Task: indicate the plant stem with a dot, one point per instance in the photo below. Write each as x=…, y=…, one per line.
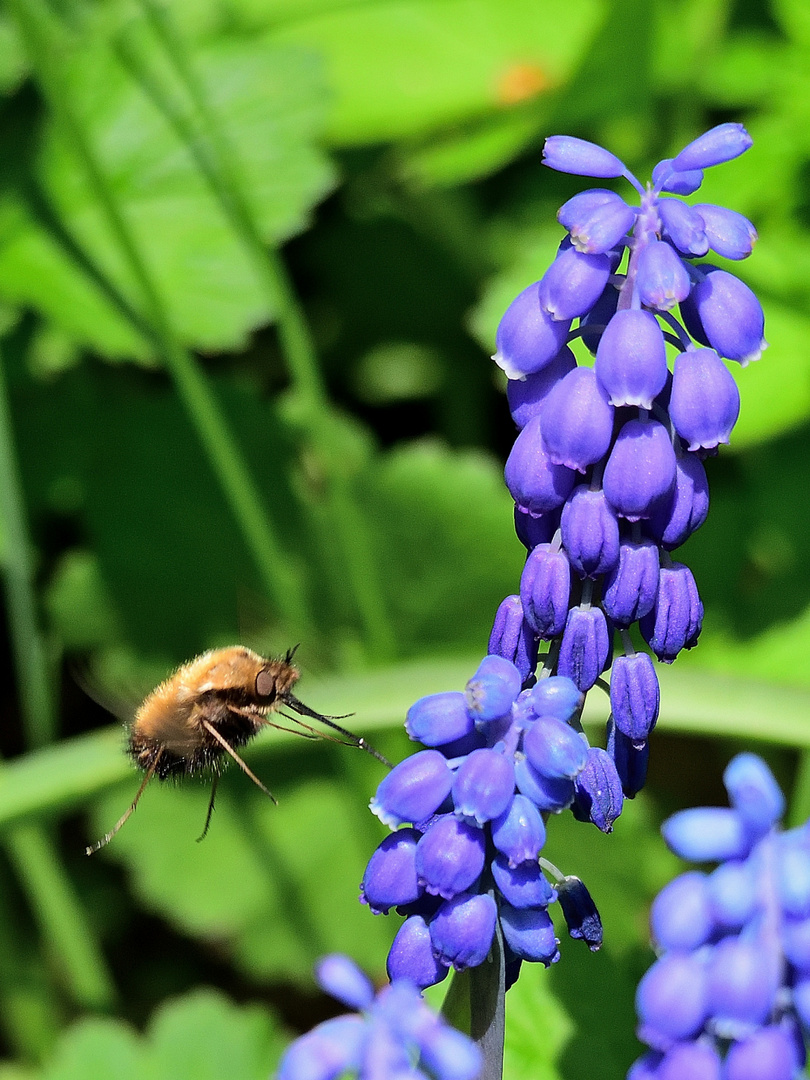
x=277, y=570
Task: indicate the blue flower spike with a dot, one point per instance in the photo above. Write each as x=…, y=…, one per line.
x=727, y=997
x=388, y=1036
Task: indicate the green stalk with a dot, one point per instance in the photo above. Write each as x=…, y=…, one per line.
x=276, y=569
x=34, y=856
x=214, y=158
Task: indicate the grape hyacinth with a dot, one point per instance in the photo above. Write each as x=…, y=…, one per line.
x=607, y=469
x=729, y=993
x=390, y=1034
x=462, y=862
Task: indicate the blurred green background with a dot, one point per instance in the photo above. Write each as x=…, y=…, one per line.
x=252, y=258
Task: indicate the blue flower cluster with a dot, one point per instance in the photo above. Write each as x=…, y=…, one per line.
x=607, y=469
x=392, y=1034
x=730, y=991
x=467, y=814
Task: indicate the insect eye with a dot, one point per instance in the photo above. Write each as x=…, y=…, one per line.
x=265, y=684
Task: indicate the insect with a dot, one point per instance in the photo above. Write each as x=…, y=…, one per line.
x=210, y=706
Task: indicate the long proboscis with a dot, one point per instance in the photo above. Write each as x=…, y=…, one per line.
x=293, y=703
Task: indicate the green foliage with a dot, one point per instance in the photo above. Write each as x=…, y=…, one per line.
x=293, y=226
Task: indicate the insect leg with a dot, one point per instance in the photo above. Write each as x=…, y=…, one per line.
x=226, y=746
x=210, y=808
x=125, y=817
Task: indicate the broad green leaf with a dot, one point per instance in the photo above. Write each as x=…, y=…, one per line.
x=537, y=1027
x=271, y=101
x=401, y=68
x=97, y=1047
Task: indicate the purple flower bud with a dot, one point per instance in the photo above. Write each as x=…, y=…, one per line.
x=737, y=988
x=665, y=178
x=554, y=749
x=523, y=885
x=792, y=876
x=631, y=360
x=713, y=147
x=630, y=761
x=448, y=1054
x=526, y=396
x=731, y=891
x=535, y=483
x=631, y=587
x=595, y=228
x=599, y=797
x=557, y=696
x=534, y=529
x=729, y=233
x=577, y=421
x=572, y=284
x=683, y=226
x=681, y=917
x=675, y=519
x=492, y=690
x=598, y=317
x=519, y=832
x=462, y=930
x=662, y=279
x=529, y=933
x=545, y=793
x=689, y=1061
x=545, y=586
x=343, y=980
x=390, y=878
x=590, y=532
x=331, y=1049
x=707, y=834
x=722, y=312
x=671, y=1000
x=580, y=206
x=449, y=857
x=527, y=338
x=640, y=469
x=411, y=955
x=677, y=617
x=705, y=402
x=768, y=1052
x=413, y=790
x=634, y=696
x=585, y=646
x=754, y=793
x=439, y=718
x=484, y=785
x=513, y=638
x=580, y=912
x=570, y=155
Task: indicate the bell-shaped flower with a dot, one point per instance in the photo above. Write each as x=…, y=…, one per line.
x=334, y=1048
x=596, y=223
x=630, y=760
x=545, y=586
x=577, y=421
x=554, y=749
x=707, y=834
x=390, y=879
x=527, y=337
x=547, y=794
x=523, y=885
x=731, y=891
x=738, y=993
x=665, y=178
x=683, y=226
x=723, y=313
x=579, y=910
x=462, y=930
x=439, y=718
x=413, y=790
x=585, y=646
x=484, y=786
x=513, y=638
x=526, y=396
x=662, y=280
x=705, y=402
x=411, y=955
x=769, y=1052
x=493, y=688
x=519, y=833
x=677, y=617
x=557, y=696
x=640, y=469
x=686, y=1061
x=572, y=284
x=599, y=797
x=671, y=1000
x=534, y=529
x=631, y=587
x=631, y=360
x=673, y=520
x=721, y=143
x=590, y=532
x=449, y=857
x=754, y=793
x=534, y=481
x=529, y=933
x=567, y=154
x=592, y=325
x=729, y=234
x=634, y=696
x=792, y=875
x=344, y=981
x=681, y=916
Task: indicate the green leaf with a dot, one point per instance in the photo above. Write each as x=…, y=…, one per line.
x=272, y=103
x=401, y=68
x=96, y=1047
